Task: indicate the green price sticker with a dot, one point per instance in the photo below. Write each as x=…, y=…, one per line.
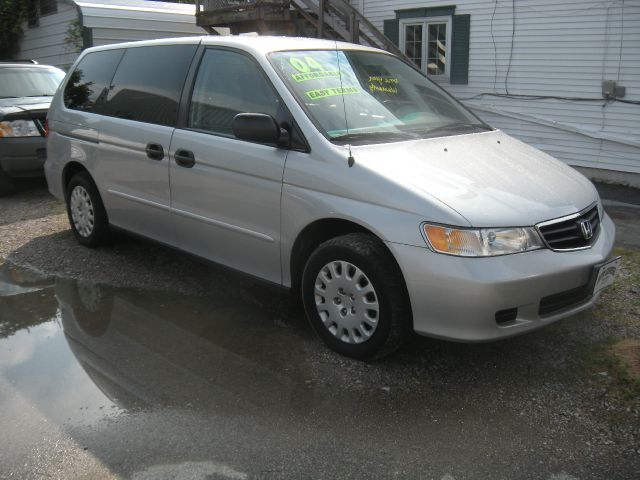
x=331, y=92
x=303, y=77
x=306, y=64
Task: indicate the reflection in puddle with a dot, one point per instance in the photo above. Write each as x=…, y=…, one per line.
x=92, y=348
x=145, y=349
x=25, y=300
x=14, y=281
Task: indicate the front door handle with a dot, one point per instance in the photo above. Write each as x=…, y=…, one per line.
x=185, y=158
x=154, y=151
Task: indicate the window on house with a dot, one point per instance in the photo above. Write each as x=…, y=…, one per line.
x=40, y=8
x=48, y=7
x=437, y=48
x=33, y=15
x=427, y=42
x=413, y=43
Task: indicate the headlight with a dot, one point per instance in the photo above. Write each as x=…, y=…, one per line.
x=483, y=242
x=19, y=128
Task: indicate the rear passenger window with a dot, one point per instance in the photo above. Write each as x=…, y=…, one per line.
x=148, y=84
x=228, y=83
x=88, y=84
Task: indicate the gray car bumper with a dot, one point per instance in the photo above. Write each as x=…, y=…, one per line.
x=457, y=298
x=23, y=157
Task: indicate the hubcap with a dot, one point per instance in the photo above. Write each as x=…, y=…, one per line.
x=346, y=302
x=82, y=213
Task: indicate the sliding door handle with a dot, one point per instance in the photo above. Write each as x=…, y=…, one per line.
x=185, y=158
x=154, y=151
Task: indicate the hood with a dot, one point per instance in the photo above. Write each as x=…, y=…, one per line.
x=490, y=178
x=10, y=106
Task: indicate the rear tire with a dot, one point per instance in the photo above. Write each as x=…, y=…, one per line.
x=355, y=297
x=6, y=185
x=87, y=216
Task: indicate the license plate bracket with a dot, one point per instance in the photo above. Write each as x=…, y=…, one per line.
x=604, y=274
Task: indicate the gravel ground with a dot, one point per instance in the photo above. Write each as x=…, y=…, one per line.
x=27, y=215
x=34, y=233
x=570, y=390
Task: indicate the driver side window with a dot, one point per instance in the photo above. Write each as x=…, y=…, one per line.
x=228, y=83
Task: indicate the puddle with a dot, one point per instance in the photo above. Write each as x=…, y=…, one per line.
x=78, y=347
x=102, y=349
x=144, y=384
x=81, y=352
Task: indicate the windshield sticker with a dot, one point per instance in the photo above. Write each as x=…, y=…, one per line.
x=310, y=69
x=303, y=77
x=331, y=92
x=383, y=84
x=305, y=64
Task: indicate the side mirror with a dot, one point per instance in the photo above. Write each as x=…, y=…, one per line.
x=258, y=127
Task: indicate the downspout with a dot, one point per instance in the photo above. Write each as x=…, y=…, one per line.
x=87, y=33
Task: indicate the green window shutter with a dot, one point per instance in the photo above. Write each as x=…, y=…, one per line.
x=392, y=30
x=459, y=73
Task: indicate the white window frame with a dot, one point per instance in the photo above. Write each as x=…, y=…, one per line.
x=425, y=22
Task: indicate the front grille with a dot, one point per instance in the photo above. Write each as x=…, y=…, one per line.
x=559, y=302
x=567, y=234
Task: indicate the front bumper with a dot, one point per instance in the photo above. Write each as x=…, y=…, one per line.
x=457, y=298
x=23, y=157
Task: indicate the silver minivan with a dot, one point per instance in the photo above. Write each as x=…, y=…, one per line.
x=333, y=169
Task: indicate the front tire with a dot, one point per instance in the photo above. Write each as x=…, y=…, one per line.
x=355, y=297
x=87, y=216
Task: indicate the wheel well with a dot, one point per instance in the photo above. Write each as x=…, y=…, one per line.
x=69, y=171
x=311, y=237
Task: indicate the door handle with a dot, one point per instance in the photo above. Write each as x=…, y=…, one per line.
x=154, y=151
x=185, y=158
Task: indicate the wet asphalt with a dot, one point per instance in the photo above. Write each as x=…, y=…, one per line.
x=104, y=382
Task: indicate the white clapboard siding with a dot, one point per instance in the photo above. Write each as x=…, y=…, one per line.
x=560, y=48
x=110, y=21
x=114, y=21
x=47, y=43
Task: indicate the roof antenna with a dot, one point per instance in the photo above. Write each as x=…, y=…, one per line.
x=350, y=159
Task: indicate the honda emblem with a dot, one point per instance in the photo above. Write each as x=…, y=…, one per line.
x=586, y=228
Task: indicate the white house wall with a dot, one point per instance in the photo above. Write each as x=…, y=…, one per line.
x=117, y=24
x=563, y=49
x=46, y=43
x=110, y=21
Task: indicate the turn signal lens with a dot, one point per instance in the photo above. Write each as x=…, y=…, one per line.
x=437, y=237
x=484, y=242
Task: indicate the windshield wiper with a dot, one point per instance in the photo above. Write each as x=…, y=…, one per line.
x=380, y=136
x=456, y=127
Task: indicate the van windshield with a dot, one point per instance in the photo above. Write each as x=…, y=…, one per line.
x=366, y=97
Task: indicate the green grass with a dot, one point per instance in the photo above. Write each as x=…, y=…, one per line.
x=620, y=304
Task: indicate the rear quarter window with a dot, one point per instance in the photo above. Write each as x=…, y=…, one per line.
x=148, y=84
x=88, y=84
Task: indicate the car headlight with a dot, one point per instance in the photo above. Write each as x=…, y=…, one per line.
x=482, y=242
x=19, y=128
